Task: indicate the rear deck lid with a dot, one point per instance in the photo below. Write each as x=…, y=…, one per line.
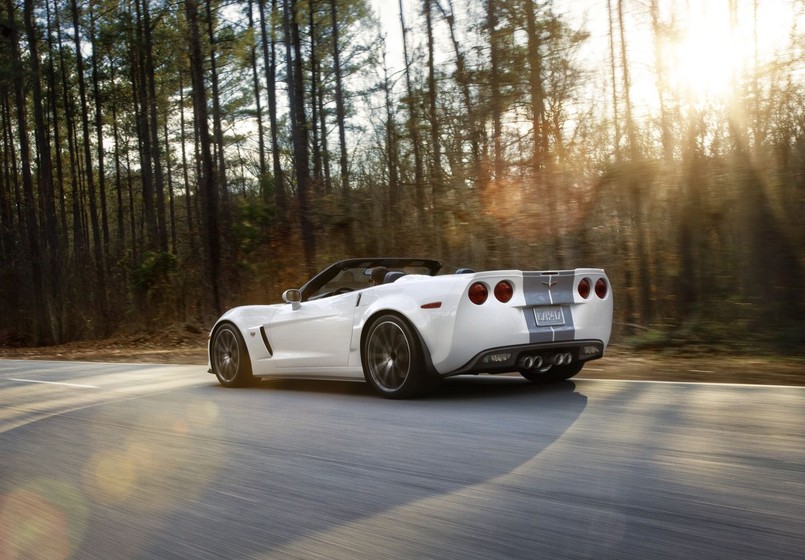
x=548, y=288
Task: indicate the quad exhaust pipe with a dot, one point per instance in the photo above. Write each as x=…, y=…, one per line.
x=531, y=362
x=538, y=362
x=563, y=358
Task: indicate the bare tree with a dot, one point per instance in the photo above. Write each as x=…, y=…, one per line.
x=269, y=60
x=299, y=128
x=100, y=268
x=413, y=128
x=208, y=187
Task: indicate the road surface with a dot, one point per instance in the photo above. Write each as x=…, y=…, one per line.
x=146, y=461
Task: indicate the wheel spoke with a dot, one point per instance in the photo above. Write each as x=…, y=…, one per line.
x=386, y=371
x=389, y=356
x=227, y=355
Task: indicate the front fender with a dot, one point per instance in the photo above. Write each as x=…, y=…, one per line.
x=247, y=316
x=248, y=319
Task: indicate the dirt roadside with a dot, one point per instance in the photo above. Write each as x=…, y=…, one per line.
x=188, y=346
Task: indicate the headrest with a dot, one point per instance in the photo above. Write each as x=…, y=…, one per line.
x=392, y=276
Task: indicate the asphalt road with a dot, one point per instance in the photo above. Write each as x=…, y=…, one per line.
x=116, y=461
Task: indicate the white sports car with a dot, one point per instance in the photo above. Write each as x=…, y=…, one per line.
x=397, y=324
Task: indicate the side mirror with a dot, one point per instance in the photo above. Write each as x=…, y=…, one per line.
x=294, y=297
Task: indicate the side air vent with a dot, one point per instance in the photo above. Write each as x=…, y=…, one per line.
x=265, y=341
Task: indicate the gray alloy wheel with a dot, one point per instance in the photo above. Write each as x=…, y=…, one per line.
x=556, y=373
x=392, y=359
x=229, y=357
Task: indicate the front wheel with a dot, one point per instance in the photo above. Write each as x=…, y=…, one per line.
x=392, y=359
x=556, y=373
x=229, y=357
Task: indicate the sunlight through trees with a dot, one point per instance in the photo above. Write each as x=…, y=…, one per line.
x=162, y=161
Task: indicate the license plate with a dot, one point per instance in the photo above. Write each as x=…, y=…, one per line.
x=549, y=316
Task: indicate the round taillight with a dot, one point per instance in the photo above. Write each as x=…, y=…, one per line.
x=601, y=288
x=585, y=287
x=504, y=291
x=478, y=293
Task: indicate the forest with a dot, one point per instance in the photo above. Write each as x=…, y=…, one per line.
x=164, y=160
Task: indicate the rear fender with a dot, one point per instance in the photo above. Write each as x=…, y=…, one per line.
x=433, y=325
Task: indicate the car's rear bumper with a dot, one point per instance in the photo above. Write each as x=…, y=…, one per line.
x=531, y=356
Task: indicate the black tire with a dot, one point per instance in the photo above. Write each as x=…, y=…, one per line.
x=392, y=359
x=556, y=373
x=229, y=358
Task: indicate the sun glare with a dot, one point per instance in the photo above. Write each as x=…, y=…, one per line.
x=715, y=49
x=706, y=60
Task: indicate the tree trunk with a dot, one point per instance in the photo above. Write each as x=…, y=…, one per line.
x=151, y=109
x=79, y=247
x=269, y=59
x=495, y=88
x=217, y=114
x=462, y=77
x=261, y=142
x=341, y=117
x=100, y=265
x=413, y=129
x=631, y=134
x=634, y=185
x=208, y=188
x=662, y=83
x=315, y=93
x=299, y=129
x=121, y=228
x=536, y=92
x=325, y=150
x=96, y=94
x=55, y=125
x=614, y=79
x=51, y=264
x=392, y=159
x=188, y=193
x=28, y=198
x=436, y=174
x=144, y=137
x=171, y=203
x=541, y=167
x=8, y=224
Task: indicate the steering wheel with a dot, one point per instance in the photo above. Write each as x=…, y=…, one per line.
x=343, y=290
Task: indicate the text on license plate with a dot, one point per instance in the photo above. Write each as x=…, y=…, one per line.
x=548, y=316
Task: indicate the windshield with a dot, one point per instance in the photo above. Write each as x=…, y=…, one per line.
x=347, y=280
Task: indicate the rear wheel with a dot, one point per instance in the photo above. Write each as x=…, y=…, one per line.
x=229, y=357
x=556, y=373
x=392, y=359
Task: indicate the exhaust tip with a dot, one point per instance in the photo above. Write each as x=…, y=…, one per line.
x=531, y=362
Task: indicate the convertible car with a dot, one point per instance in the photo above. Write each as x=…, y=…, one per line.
x=400, y=324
